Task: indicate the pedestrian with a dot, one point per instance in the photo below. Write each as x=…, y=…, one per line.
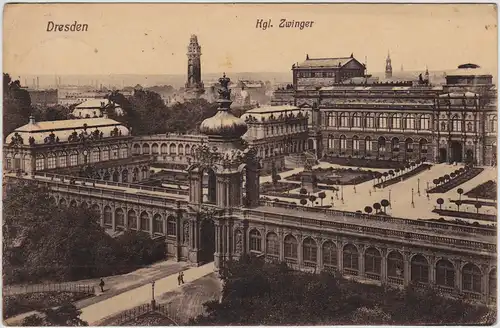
x=182, y=277
x=101, y=284
x=179, y=278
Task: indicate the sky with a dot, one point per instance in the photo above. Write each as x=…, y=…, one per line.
x=153, y=38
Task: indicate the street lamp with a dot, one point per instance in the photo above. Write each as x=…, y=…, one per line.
x=153, y=302
x=418, y=186
x=412, y=202
x=342, y=193
x=390, y=199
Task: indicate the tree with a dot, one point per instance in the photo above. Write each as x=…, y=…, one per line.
x=458, y=203
x=322, y=195
x=303, y=201
x=64, y=315
x=368, y=209
x=460, y=191
x=377, y=207
x=435, y=181
x=303, y=191
x=312, y=199
x=477, y=206
x=384, y=203
x=16, y=105
x=440, y=202
x=446, y=177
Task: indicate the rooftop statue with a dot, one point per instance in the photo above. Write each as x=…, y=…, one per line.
x=225, y=93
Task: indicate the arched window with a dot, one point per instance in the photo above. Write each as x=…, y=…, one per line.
x=381, y=144
x=255, y=241
x=144, y=221
x=331, y=119
x=119, y=218
x=154, y=149
x=443, y=126
x=419, y=269
x=395, y=144
x=343, y=143
x=471, y=278
x=95, y=208
x=470, y=127
x=96, y=155
x=382, y=121
x=344, y=120
x=424, y=122
x=62, y=159
x=493, y=124
x=171, y=226
x=409, y=122
x=72, y=203
x=350, y=259
x=51, y=161
x=291, y=247
x=368, y=144
x=445, y=273
x=108, y=217
x=83, y=205
x=395, y=267
x=163, y=148
x=396, y=121
x=145, y=148
x=272, y=244
x=187, y=150
x=310, y=250
x=329, y=252
x=114, y=152
x=492, y=282
x=62, y=202
x=369, y=121
x=157, y=224
x=137, y=149
x=172, y=149
x=40, y=162
x=456, y=123
x=180, y=149
x=132, y=220
x=331, y=142
x=373, y=261
x=409, y=144
x=356, y=120
x=355, y=143
x=423, y=145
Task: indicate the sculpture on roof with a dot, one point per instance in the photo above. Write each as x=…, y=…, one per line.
x=16, y=140
x=224, y=93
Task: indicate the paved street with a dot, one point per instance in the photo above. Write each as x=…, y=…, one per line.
x=95, y=313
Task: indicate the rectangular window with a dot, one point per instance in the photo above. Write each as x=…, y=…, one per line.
x=96, y=156
x=123, y=153
x=51, y=162
x=62, y=161
x=114, y=153
x=105, y=155
x=73, y=159
x=40, y=164
x=8, y=163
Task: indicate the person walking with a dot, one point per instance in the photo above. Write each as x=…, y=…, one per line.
x=181, y=277
x=101, y=284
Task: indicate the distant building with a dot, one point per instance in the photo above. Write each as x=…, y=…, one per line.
x=388, y=66
x=43, y=97
x=320, y=72
x=76, y=95
x=194, y=85
x=96, y=108
x=470, y=75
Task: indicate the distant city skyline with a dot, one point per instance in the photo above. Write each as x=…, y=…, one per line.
x=119, y=41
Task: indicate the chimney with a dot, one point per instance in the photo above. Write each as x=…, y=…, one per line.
x=32, y=119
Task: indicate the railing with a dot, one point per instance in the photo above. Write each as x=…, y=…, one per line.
x=134, y=313
x=169, y=137
x=352, y=272
x=295, y=220
x=45, y=288
x=372, y=276
x=372, y=218
x=472, y=295
x=93, y=182
x=395, y=280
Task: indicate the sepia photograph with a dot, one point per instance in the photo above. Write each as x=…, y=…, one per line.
x=217, y=164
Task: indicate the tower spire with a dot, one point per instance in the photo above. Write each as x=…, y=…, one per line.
x=388, y=66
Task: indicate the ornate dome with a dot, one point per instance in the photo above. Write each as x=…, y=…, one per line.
x=224, y=124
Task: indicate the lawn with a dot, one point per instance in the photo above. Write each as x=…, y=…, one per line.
x=21, y=303
x=487, y=190
x=337, y=176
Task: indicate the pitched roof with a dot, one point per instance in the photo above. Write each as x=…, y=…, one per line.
x=325, y=62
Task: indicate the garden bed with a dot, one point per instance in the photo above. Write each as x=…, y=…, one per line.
x=464, y=223
x=364, y=162
x=338, y=176
x=404, y=176
x=487, y=190
x=449, y=182
x=474, y=202
x=278, y=187
x=21, y=303
x=466, y=215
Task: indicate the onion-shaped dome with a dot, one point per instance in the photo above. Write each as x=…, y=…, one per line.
x=224, y=124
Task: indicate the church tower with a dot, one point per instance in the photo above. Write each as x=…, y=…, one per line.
x=194, y=83
x=388, y=67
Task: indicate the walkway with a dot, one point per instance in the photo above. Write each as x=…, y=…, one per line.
x=97, y=312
